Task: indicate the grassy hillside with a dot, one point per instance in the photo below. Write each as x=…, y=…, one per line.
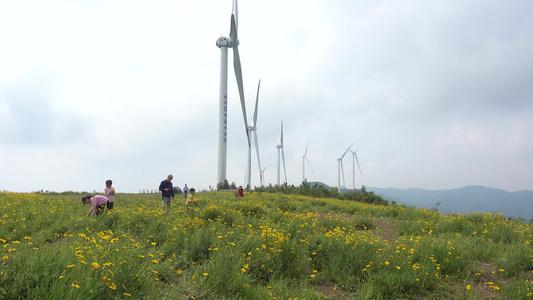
x=265, y=246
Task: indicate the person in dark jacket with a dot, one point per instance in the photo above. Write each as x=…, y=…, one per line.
x=167, y=192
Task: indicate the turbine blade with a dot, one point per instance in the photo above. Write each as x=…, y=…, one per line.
x=238, y=73
x=309, y=165
x=233, y=31
x=257, y=151
x=305, y=155
x=234, y=11
x=347, y=151
x=359, y=144
x=256, y=104
x=358, y=164
x=281, y=140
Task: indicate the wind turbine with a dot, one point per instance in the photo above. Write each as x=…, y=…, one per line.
x=253, y=128
x=354, y=159
x=224, y=43
x=280, y=150
x=341, y=167
x=263, y=175
x=304, y=159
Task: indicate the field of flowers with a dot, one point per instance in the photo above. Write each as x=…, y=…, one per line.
x=264, y=246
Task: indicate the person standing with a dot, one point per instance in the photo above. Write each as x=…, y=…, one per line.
x=167, y=192
x=97, y=202
x=185, y=190
x=109, y=192
x=240, y=192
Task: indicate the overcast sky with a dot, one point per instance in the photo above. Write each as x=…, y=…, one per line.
x=436, y=94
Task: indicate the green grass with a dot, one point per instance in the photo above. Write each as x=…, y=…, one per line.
x=265, y=246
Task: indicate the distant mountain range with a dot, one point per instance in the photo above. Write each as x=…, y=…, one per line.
x=467, y=199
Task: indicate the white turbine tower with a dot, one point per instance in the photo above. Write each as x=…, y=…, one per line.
x=354, y=159
x=280, y=150
x=253, y=128
x=224, y=43
x=341, y=167
x=304, y=159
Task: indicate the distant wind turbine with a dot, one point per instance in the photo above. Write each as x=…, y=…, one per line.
x=253, y=128
x=263, y=176
x=280, y=150
x=304, y=159
x=354, y=159
x=224, y=43
x=341, y=167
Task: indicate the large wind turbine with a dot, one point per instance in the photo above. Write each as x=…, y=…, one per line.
x=341, y=167
x=304, y=159
x=253, y=128
x=224, y=43
x=280, y=150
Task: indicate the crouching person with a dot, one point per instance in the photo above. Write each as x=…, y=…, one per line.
x=190, y=199
x=97, y=202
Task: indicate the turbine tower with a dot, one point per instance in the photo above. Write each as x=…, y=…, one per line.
x=280, y=150
x=341, y=167
x=304, y=159
x=224, y=43
x=253, y=128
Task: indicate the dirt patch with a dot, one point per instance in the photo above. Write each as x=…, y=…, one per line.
x=329, y=290
x=489, y=279
x=386, y=230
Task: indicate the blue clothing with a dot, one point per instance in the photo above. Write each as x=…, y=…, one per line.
x=166, y=185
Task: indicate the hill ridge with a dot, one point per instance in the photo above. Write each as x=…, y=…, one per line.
x=468, y=199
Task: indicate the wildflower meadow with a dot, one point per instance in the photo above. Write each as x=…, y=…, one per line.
x=263, y=246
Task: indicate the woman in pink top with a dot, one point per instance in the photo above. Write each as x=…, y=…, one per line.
x=109, y=192
x=97, y=202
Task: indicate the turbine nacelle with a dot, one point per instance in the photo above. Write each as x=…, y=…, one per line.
x=226, y=42
x=223, y=41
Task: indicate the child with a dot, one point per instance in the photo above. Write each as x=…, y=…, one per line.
x=190, y=200
x=97, y=202
x=240, y=191
x=109, y=192
x=185, y=190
